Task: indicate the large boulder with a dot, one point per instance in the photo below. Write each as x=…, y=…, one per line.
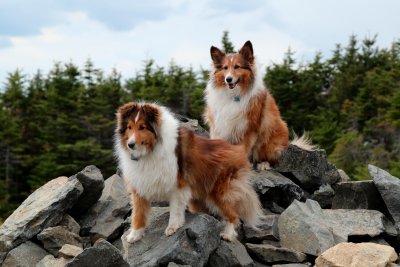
x=275, y=190
x=101, y=254
x=25, y=255
x=43, y=208
x=358, y=195
x=93, y=184
x=307, y=228
x=389, y=188
x=230, y=254
x=357, y=255
x=192, y=244
x=104, y=219
x=53, y=238
x=310, y=169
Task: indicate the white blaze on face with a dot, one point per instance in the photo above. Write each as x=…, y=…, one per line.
x=137, y=117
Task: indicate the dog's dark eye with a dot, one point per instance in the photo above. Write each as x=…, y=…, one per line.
x=129, y=127
x=225, y=67
x=141, y=127
x=237, y=67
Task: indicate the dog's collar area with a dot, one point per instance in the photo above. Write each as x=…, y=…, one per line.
x=236, y=98
x=134, y=158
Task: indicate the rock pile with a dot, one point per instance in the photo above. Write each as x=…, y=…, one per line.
x=313, y=215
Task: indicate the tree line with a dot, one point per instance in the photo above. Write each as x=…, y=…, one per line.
x=57, y=123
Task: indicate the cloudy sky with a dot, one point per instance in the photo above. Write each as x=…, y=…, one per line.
x=122, y=34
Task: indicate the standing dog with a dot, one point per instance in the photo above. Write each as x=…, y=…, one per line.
x=241, y=110
x=162, y=161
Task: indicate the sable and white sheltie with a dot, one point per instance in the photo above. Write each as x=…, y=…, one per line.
x=241, y=110
x=162, y=161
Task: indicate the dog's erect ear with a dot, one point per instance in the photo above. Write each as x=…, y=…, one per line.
x=152, y=116
x=247, y=52
x=124, y=112
x=216, y=55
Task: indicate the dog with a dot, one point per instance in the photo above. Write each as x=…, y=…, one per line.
x=240, y=110
x=161, y=161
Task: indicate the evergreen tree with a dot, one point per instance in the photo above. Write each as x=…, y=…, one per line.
x=227, y=45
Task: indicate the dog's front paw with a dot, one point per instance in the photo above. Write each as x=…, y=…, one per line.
x=135, y=235
x=262, y=166
x=171, y=229
x=228, y=236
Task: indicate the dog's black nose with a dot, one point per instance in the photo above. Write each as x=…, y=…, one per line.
x=229, y=79
x=131, y=145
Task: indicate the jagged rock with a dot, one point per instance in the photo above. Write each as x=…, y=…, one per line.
x=191, y=244
x=232, y=254
x=192, y=125
x=93, y=184
x=104, y=219
x=69, y=251
x=50, y=261
x=43, y=208
x=389, y=188
x=324, y=195
x=275, y=190
x=307, y=228
x=357, y=255
x=70, y=224
x=53, y=238
x=310, y=169
x=101, y=254
x=25, y=255
x=357, y=195
x=173, y=264
x=343, y=176
x=270, y=254
x=268, y=230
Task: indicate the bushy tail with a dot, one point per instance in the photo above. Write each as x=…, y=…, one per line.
x=247, y=202
x=303, y=142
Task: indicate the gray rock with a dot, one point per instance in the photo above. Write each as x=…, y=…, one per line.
x=104, y=219
x=43, y=208
x=93, y=184
x=101, y=254
x=268, y=230
x=307, y=228
x=324, y=195
x=275, y=190
x=50, y=261
x=70, y=224
x=310, y=169
x=270, y=254
x=389, y=188
x=27, y=254
x=173, y=264
x=292, y=265
x=69, y=251
x=192, y=125
x=230, y=254
x=343, y=176
x=53, y=238
x=192, y=244
x=358, y=195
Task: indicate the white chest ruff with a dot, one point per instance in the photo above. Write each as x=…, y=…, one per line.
x=230, y=118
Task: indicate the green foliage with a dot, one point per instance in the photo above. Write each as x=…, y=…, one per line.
x=58, y=123
x=227, y=45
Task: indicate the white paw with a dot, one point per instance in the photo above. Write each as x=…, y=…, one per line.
x=229, y=236
x=171, y=229
x=262, y=166
x=135, y=235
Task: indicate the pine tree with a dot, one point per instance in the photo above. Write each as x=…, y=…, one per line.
x=227, y=45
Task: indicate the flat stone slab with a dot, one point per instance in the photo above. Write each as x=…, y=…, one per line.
x=25, y=255
x=270, y=254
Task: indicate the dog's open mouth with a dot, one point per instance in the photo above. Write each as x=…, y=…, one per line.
x=233, y=85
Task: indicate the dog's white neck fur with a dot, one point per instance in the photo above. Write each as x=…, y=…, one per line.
x=154, y=175
x=230, y=117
